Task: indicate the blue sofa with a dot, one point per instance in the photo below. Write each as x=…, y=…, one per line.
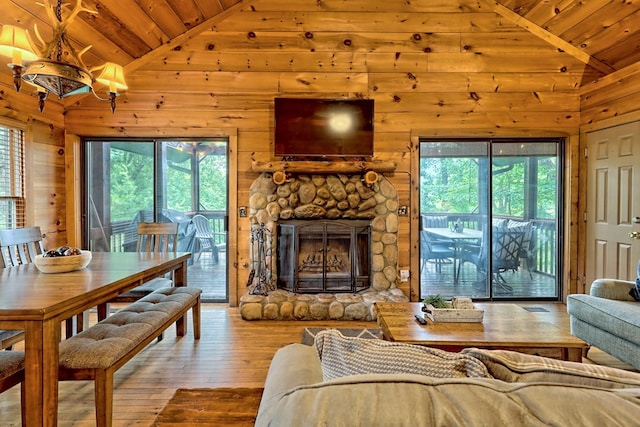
x=608, y=318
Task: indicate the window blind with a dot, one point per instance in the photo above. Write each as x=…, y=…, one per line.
x=12, y=197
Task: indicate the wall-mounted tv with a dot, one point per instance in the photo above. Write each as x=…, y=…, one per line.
x=322, y=128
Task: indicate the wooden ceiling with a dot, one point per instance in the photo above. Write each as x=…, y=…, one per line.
x=602, y=33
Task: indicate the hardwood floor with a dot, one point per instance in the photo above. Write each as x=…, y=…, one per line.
x=231, y=353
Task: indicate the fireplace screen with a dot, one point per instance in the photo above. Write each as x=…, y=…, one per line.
x=323, y=255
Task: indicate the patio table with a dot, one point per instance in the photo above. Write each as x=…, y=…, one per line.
x=457, y=238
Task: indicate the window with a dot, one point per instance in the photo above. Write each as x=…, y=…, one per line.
x=12, y=197
x=142, y=180
x=491, y=218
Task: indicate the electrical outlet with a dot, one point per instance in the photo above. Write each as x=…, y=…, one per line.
x=403, y=210
x=404, y=275
x=243, y=212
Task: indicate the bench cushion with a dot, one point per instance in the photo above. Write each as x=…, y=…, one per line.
x=10, y=363
x=169, y=300
x=106, y=342
x=101, y=345
x=146, y=288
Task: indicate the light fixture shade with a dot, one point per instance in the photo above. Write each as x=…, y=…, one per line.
x=58, y=77
x=15, y=43
x=112, y=75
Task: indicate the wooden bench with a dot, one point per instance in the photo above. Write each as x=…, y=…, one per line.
x=12, y=373
x=99, y=351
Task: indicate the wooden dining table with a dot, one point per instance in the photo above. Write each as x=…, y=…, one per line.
x=37, y=302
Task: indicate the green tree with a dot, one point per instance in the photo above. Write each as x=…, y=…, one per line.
x=131, y=186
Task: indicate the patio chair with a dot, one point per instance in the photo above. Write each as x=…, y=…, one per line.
x=20, y=246
x=435, y=221
x=527, y=250
x=205, y=239
x=153, y=237
x=476, y=254
x=434, y=251
x=506, y=248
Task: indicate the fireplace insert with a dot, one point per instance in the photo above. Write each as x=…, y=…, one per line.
x=317, y=256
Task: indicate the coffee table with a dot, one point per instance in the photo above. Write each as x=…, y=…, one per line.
x=504, y=327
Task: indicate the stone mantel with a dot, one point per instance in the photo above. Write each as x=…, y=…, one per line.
x=324, y=167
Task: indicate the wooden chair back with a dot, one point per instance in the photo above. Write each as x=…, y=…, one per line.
x=157, y=237
x=20, y=246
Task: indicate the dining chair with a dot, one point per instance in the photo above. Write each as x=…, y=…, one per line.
x=17, y=247
x=153, y=237
x=205, y=239
x=20, y=246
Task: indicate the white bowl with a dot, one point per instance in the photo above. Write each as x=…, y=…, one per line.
x=62, y=264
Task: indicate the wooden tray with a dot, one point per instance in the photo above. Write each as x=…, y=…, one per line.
x=453, y=314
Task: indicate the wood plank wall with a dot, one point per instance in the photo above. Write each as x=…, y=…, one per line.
x=434, y=68
x=44, y=160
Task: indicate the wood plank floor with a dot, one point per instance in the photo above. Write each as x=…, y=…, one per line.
x=231, y=353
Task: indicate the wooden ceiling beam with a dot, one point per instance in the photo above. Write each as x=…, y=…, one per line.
x=554, y=40
x=156, y=53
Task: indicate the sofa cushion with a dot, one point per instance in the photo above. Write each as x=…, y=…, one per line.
x=341, y=356
x=620, y=318
x=398, y=400
x=612, y=289
x=511, y=366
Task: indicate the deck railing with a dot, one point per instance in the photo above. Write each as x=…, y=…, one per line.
x=543, y=239
x=122, y=235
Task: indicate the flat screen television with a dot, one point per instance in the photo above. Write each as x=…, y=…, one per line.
x=323, y=128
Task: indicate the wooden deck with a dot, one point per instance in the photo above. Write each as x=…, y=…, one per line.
x=210, y=276
x=440, y=281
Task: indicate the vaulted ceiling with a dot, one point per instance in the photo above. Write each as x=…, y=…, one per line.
x=602, y=33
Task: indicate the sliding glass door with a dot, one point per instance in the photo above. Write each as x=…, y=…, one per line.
x=133, y=181
x=490, y=218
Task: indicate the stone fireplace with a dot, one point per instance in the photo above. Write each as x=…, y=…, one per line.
x=317, y=201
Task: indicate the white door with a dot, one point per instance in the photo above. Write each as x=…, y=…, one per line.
x=613, y=202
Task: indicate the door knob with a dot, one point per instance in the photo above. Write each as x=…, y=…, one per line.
x=635, y=234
